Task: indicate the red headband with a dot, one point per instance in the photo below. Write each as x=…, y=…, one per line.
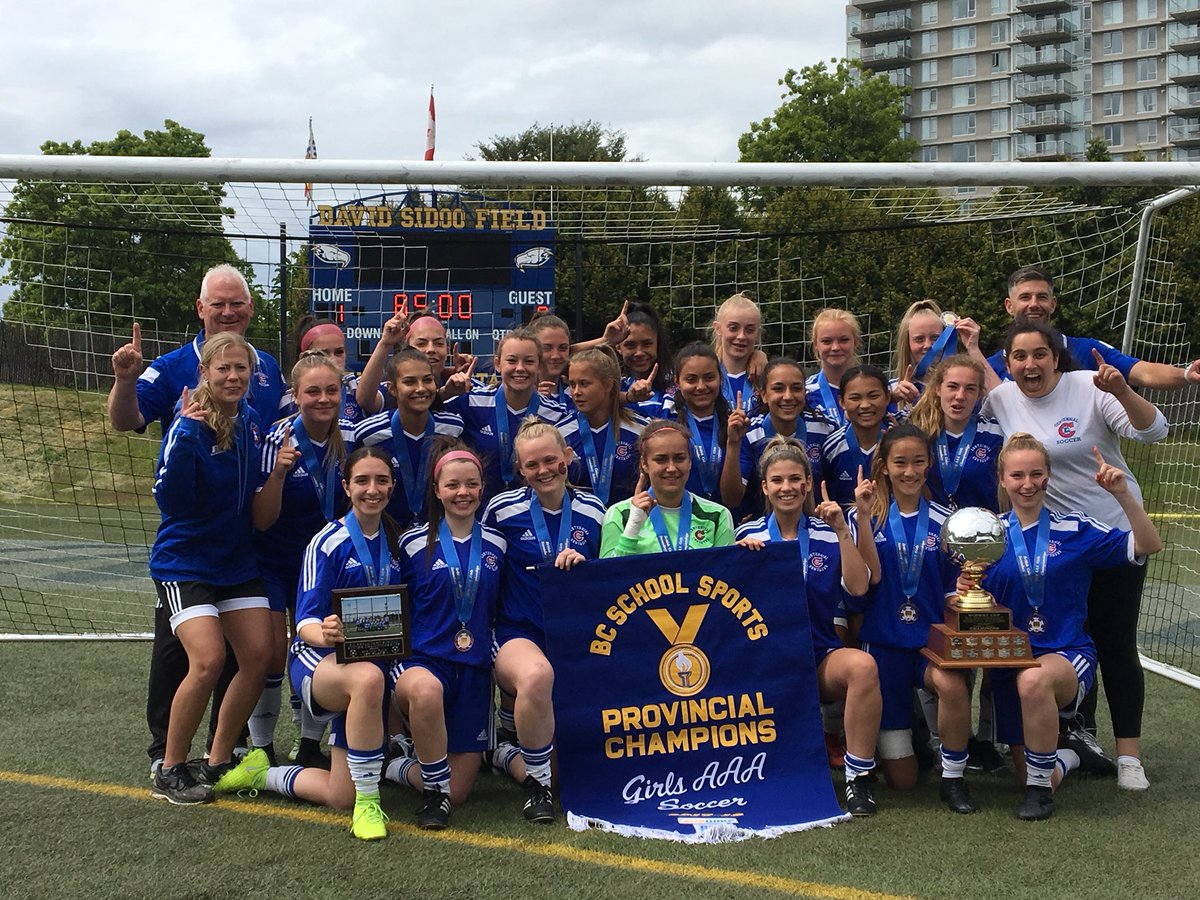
x=317, y=331
x=456, y=455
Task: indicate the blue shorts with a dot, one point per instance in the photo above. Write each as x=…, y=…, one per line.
x=899, y=672
x=466, y=701
x=1007, y=702
x=503, y=633
x=303, y=660
x=281, y=590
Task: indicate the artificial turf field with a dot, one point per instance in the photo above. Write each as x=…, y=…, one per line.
x=77, y=820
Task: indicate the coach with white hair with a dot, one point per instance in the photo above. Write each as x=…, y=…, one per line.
x=140, y=397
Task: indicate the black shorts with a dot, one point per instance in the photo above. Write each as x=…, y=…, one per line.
x=185, y=600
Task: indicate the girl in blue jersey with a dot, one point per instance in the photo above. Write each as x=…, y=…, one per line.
x=646, y=358
x=602, y=433
x=965, y=443
x=899, y=538
x=831, y=567
x=544, y=523
x=206, y=477
x=452, y=569
x=925, y=337
x=700, y=406
x=360, y=550
x=1045, y=548
x=786, y=415
x=492, y=415
x=735, y=331
x=313, y=333
x=555, y=337
x=836, y=342
x=300, y=494
x=864, y=396
x=407, y=431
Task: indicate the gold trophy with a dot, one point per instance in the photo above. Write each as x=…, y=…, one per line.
x=976, y=632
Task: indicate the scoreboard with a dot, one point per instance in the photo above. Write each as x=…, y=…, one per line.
x=481, y=267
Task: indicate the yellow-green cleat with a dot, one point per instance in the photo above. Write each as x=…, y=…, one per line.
x=369, y=822
x=248, y=775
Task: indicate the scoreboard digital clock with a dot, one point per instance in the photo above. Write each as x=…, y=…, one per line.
x=481, y=267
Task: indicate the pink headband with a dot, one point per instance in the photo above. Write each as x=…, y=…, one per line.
x=456, y=455
x=328, y=330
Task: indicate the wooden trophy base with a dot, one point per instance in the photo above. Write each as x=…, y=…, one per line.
x=978, y=639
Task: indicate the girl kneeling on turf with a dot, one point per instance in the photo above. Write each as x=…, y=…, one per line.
x=545, y=523
x=357, y=551
x=452, y=569
x=842, y=673
x=1045, y=548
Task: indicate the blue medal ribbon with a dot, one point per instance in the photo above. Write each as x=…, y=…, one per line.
x=951, y=468
x=939, y=349
x=377, y=569
x=503, y=433
x=551, y=550
x=909, y=559
x=325, y=490
x=708, y=463
x=856, y=453
x=465, y=583
x=801, y=537
x=659, y=521
x=414, y=482
x=599, y=472
x=833, y=409
x=1033, y=571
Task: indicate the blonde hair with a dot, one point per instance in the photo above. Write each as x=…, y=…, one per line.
x=785, y=449
x=902, y=356
x=214, y=417
x=927, y=413
x=309, y=361
x=738, y=302
x=606, y=366
x=1017, y=441
x=831, y=316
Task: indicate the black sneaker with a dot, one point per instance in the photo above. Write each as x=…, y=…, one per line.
x=211, y=774
x=1092, y=760
x=434, y=814
x=176, y=785
x=1037, y=804
x=984, y=757
x=955, y=795
x=860, y=801
x=539, y=807
x=310, y=755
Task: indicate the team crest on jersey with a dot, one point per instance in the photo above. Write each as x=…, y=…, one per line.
x=1054, y=548
x=492, y=561
x=349, y=411
x=579, y=535
x=699, y=535
x=814, y=453
x=931, y=541
x=818, y=562
x=981, y=453
x=1067, y=429
x=623, y=451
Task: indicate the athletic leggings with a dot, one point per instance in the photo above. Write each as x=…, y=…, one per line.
x=1114, y=602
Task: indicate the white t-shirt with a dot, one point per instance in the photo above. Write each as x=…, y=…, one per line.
x=1070, y=420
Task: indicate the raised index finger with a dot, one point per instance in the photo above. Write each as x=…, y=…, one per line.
x=860, y=477
x=737, y=401
x=825, y=491
x=1096, y=356
x=908, y=374
x=137, y=337
x=624, y=309
x=471, y=367
x=1096, y=453
x=654, y=372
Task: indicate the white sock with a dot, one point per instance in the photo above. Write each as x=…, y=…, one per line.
x=266, y=712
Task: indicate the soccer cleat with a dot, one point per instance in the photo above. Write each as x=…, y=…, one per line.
x=310, y=755
x=860, y=800
x=1037, y=804
x=1131, y=776
x=176, y=785
x=539, y=806
x=248, y=775
x=984, y=757
x=1092, y=760
x=434, y=814
x=955, y=795
x=369, y=822
x=833, y=749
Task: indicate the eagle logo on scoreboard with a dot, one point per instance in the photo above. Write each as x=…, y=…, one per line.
x=533, y=258
x=331, y=255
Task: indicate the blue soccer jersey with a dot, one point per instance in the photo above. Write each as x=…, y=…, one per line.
x=892, y=619
x=1080, y=349
x=824, y=589
x=827, y=402
x=205, y=494
x=384, y=430
x=624, y=474
x=650, y=408
x=840, y=463
x=520, y=612
x=732, y=385
x=1078, y=547
x=482, y=430
x=978, y=481
x=351, y=411
x=811, y=429
x=435, y=620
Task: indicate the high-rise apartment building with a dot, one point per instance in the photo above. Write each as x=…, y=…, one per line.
x=1037, y=79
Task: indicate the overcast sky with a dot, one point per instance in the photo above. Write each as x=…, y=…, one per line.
x=682, y=79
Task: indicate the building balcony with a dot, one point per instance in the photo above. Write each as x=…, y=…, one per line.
x=1183, y=99
x=870, y=6
x=1051, y=149
x=884, y=26
x=887, y=56
x=1041, y=6
x=1183, y=69
x=1188, y=155
x=1184, y=10
x=1044, y=90
x=1033, y=60
x=1183, y=36
x=1042, y=29
x=1183, y=132
x=1031, y=120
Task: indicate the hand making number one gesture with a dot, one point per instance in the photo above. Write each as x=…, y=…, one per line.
x=127, y=361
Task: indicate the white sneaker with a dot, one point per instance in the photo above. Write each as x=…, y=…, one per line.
x=1130, y=774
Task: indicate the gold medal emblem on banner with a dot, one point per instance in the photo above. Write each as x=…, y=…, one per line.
x=684, y=668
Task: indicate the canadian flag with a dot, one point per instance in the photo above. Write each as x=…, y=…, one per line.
x=431, y=128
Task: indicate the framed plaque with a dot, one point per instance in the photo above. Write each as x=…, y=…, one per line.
x=375, y=621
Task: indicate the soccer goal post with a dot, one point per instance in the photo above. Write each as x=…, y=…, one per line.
x=88, y=245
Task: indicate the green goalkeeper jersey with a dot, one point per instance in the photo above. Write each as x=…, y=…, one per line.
x=712, y=526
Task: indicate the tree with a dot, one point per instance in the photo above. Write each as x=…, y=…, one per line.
x=843, y=115
x=577, y=142
x=76, y=251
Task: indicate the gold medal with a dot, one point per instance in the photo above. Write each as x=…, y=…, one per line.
x=949, y=318
x=463, y=640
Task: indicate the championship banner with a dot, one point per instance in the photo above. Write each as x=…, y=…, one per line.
x=685, y=696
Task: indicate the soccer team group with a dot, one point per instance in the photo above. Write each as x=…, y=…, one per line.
x=275, y=494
